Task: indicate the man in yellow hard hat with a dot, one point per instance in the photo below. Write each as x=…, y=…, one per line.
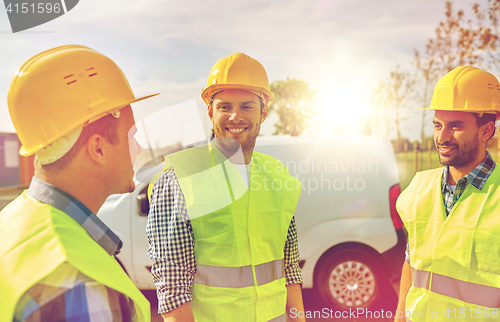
x=224, y=248
x=70, y=106
x=452, y=269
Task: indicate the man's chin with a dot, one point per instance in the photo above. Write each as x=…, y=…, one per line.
x=446, y=161
x=228, y=143
x=131, y=187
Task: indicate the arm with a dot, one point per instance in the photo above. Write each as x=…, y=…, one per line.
x=403, y=291
x=294, y=301
x=171, y=248
x=293, y=274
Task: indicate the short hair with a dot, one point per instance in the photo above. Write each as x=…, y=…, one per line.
x=484, y=119
x=106, y=126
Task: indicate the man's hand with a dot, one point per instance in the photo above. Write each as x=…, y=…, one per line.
x=183, y=313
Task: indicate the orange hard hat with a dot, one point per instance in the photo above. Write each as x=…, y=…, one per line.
x=238, y=71
x=467, y=89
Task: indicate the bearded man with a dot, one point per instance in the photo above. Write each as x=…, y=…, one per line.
x=452, y=268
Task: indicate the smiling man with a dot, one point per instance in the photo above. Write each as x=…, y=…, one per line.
x=452, y=268
x=223, y=247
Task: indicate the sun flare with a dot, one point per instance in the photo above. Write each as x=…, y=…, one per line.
x=341, y=109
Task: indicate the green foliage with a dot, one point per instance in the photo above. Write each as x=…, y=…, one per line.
x=292, y=102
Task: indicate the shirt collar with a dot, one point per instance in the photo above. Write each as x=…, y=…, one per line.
x=476, y=177
x=49, y=194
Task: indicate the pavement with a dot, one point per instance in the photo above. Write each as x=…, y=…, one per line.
x=313, y=304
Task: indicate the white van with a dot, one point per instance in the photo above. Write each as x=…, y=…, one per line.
x=351, y=240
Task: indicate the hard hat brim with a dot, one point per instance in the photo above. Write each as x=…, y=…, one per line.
x=467, y=111
x=205, y=94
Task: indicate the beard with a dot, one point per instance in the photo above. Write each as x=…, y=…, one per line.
x=466, y=154
x=232, y=146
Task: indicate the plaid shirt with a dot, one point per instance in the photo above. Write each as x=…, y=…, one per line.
x=66, y=294
x=476, y=177
x=171, y=245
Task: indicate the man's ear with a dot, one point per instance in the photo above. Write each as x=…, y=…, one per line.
x=96, y=148
x=488, y=131
x=265, y=112
x=210, y=112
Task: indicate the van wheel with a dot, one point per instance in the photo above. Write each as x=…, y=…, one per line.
x=349, y=279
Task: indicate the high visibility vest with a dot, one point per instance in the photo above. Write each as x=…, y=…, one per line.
x=36, y=238
x=239, y=234
x=455, y=259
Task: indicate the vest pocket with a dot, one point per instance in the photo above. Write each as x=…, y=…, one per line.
x=487, y=250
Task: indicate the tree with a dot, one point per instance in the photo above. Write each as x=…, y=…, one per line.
x=488, y=22
x=393, y=98
x=456, y=42
x=292, y=102
x=425, y=79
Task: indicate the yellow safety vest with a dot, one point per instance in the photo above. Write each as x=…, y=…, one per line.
x=36, y=238
x=455, y=259
x=239, y=234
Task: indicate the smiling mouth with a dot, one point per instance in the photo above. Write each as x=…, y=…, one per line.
x=236, y=130
x=446, y=149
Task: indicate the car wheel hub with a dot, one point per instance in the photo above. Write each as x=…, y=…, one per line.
x=352, y=283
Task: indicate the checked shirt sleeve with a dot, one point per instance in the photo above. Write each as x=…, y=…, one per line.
x=171, y=243
x=293, y=273
x=66, y=294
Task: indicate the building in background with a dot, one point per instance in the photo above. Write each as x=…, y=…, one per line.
x=14, y=169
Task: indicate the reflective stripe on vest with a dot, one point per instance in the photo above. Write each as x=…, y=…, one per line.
x=238, y=277
x=468, y=292
x=268, y=272
x=465, y=291
x=420, y=278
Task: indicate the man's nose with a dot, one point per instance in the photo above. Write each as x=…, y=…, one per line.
x=236, y=116
x=444, y=135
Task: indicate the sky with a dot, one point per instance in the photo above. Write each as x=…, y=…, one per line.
x=341, y=48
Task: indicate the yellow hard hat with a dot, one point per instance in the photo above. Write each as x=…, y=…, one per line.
x=467, y=89
x=61, y=89
x=238, y=71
